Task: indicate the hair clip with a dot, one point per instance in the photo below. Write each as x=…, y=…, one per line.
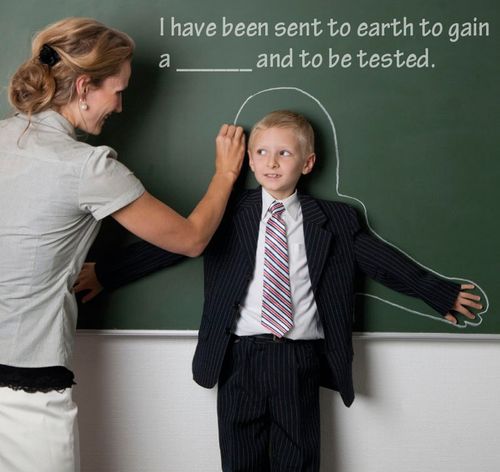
x=48, y=56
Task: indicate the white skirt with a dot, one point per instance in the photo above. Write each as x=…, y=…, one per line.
x=38, y=432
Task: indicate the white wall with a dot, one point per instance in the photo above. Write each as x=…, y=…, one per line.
x=422, y=405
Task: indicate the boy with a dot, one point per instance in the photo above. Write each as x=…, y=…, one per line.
x=279, y=297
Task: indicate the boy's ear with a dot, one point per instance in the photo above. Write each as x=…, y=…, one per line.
x=309, y=163
x=250, y=160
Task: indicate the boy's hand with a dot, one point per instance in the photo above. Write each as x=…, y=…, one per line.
x=463, y=301
x=230, y=149
x=87, y=280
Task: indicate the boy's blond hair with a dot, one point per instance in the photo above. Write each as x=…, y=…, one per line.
x=287, y=119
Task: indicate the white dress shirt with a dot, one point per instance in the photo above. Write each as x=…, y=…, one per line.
x=306, y=321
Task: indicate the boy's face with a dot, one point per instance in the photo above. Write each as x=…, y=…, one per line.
x=278, y=160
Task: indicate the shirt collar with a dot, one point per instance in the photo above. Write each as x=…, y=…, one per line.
x=291, y=204
x=52, y=119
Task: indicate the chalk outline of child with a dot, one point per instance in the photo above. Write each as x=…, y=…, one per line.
x=466, y=321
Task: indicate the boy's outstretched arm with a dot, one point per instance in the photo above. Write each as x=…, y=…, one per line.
x=463, y=302
x=122, y=267
x=390, y=267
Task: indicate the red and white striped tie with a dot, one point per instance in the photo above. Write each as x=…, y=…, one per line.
x=276, y=297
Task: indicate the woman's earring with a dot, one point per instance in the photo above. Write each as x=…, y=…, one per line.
x=83, y=104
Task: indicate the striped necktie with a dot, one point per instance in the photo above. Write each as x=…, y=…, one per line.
x=276, y=296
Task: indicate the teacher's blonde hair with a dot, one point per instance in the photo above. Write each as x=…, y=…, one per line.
x=81, y=46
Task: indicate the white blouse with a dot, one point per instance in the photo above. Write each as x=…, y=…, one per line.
x=54, y=190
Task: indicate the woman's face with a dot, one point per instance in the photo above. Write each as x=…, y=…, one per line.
x=104, y=100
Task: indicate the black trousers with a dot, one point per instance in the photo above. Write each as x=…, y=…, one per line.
x=268, y=406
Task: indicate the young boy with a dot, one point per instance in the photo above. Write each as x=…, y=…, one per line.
x=279, y=298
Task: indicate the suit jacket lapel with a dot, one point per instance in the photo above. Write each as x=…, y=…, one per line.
x=317, y=239
x=247, y=219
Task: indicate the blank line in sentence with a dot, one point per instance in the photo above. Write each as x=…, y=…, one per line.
x=214, y=70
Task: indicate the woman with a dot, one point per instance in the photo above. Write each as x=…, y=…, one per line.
x=54, y=191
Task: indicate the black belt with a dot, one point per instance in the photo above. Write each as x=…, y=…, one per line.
x=272, y=339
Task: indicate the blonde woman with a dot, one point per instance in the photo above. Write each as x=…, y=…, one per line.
x=54, y=191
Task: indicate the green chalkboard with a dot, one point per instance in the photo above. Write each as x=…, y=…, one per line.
x=403, y=97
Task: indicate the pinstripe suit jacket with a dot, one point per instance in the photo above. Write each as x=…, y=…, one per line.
x=337, y=249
